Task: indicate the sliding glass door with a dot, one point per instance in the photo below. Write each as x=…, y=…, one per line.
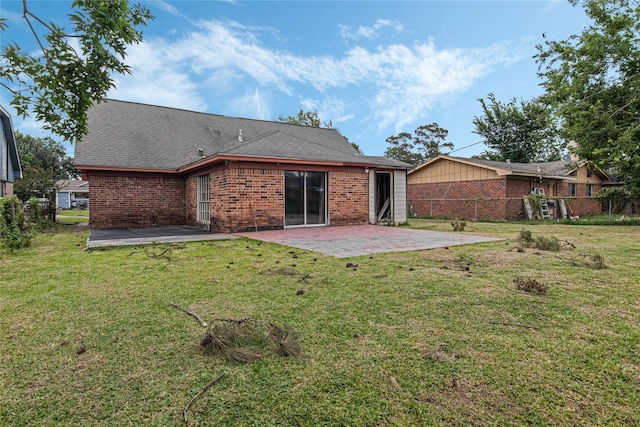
x=305, y=198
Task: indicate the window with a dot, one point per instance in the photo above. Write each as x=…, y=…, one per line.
x=202, y=194
x=572, y=190
x=589, y=190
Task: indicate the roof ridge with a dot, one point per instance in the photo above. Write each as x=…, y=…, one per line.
x=274, y=131
x=252, y=140
x=212, y=114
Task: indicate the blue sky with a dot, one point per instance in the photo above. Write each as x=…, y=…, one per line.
x=374, y=69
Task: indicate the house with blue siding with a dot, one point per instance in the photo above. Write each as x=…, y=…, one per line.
x=72, y=193
x=9, y=162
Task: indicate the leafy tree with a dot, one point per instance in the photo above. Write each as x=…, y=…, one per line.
x=522, y=132
x=356, y=146
x=311, y=119
x=44, y=161
x=306, y=118
x=426, y=143
x=403, y=149
x=73, y=69
x=593, y=80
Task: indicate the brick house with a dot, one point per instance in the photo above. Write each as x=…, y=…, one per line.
x=9, y=162
x=456, y=187
x=149, y=165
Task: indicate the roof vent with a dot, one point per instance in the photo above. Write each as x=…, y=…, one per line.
x=240, y=136
x=508, y=161
x=201, y=153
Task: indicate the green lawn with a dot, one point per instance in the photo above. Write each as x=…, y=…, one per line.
x=438, y=337
x=72, y=215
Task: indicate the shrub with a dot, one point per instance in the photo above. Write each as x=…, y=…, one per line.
x=15, y=229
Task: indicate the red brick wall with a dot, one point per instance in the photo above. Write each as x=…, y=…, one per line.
x=7, y=188
x=190, y=200
x=581, y=204
x=348, y=197
x=136, y=200
x=464, y=199
x=243, y=197
x=516, y=188
x=492, y=199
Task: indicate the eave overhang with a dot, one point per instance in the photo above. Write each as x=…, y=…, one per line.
x=221, y=158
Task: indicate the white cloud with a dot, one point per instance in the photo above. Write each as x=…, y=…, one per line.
x=167, y=8
x=398, y=82
x=369, y=33
x=157, y=80
x=252, y=103
x=330, y=108
x=13, y=18
x=551, y=6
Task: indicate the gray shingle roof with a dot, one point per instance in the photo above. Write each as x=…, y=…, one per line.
x=72, y=185
x=139, y=136
x=557, y=168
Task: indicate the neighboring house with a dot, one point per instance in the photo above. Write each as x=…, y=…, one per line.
x=9, y=162
x=72, y=193
x=150, y=165
x=457, y=187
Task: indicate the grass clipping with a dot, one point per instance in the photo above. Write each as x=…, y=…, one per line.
x=244, y=340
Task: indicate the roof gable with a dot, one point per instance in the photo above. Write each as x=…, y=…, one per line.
x=277, y=144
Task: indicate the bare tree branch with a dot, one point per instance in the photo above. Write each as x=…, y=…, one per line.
x=198, y=318
x=205, y=388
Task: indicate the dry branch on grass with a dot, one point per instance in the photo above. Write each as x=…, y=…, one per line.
x=284, y=340
x=205, y=388
x=525, y=239
x=458, y=225
x=441, y=353
x=594, y=262
x=530, y=286
x=198, y=318
x=520, y=325
x=166, y=253
x=242, y=340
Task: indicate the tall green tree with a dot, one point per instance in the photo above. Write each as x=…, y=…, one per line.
x=519, y=131
x=311, y=119
x=72, y=69
x=592, y=79
x=306, y=118
x=44, y=161
x=427, y=142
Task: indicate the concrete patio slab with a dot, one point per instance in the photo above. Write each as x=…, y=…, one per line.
x=99, y=238
x=358, y=240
